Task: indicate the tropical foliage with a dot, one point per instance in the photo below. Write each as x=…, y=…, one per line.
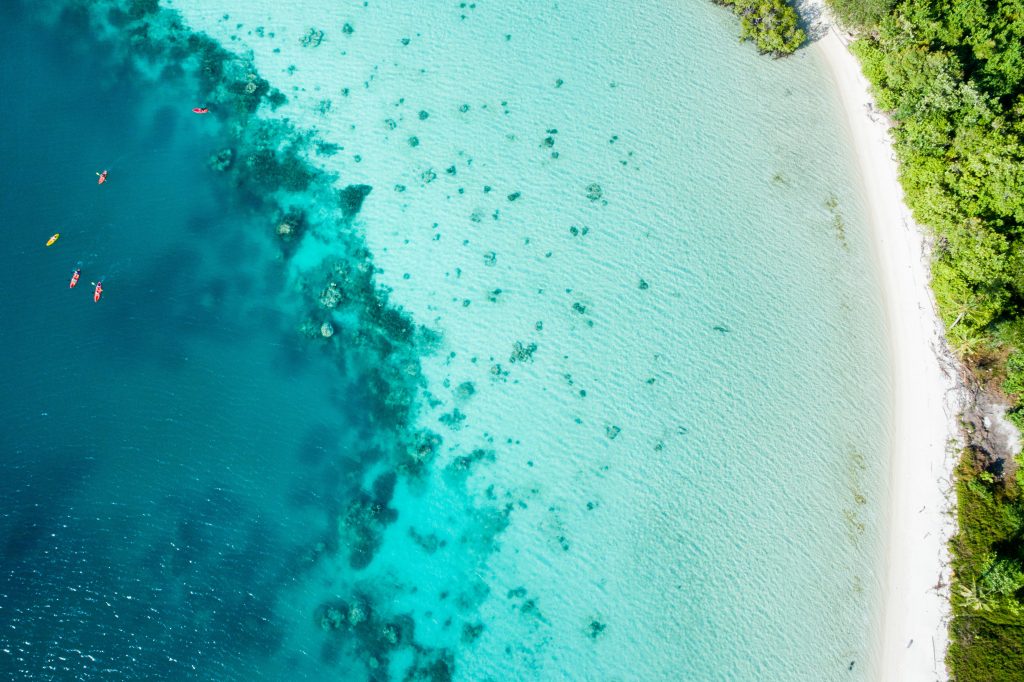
x=772, y=25
x=951, y=74
x=861, y=13
x=987, y=630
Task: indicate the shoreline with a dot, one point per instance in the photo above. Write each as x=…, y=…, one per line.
x=920, y=514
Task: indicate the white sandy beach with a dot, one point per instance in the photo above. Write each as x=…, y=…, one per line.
x=914, y=633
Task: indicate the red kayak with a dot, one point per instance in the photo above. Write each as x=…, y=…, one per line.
x=200, y=110
x=99, y=292
x=74, y=278
x=103, y=178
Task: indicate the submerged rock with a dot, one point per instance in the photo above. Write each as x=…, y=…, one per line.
x=326, y=330
x=464, y=463
x=331, y=296
x=313, y=38
x=437, y=665
x=471, y=632
x=246, y=89
x=522, y=352
x=361, y=529
x=429, y=542
x=356, y=614
x=351, y=198
x=340, y=615
x=222, y=160
x=331, y=619
x=453, y=420
x=290, y=225
x=465, y=390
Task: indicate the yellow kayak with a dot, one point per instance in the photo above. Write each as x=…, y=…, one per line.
x=52, y=239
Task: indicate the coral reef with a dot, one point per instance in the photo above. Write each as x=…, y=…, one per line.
x=290, y=225
x=376, y=344
x=361, y=526
x=221, y=160
x=313, y=38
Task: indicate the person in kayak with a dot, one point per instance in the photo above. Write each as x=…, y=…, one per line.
x=98, y=292
x=75, y=275
x=200, y=110
x=103, y=177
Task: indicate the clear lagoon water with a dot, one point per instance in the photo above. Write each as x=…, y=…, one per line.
x=458, y=341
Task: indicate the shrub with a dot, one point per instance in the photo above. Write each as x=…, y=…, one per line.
x=772, y=25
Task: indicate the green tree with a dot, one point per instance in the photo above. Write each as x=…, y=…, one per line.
x=772, y=25
x=978, y=253
x=1014, y=383
x=1003, y=578
x=861, y=13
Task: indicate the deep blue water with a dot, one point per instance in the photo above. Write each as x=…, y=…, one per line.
x=163, y=469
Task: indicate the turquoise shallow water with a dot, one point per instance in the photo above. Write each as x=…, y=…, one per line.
x=602, y=397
